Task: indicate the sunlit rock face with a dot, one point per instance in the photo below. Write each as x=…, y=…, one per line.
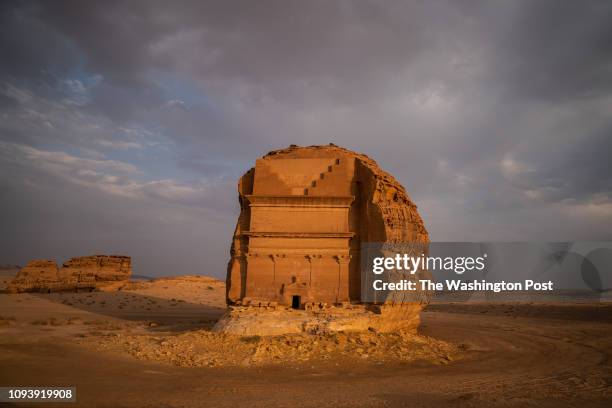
x=304, y=213
x=96, y=272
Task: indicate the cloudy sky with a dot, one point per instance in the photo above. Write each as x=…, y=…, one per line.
x=125, y=125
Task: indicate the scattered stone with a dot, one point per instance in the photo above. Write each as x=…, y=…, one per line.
x=203, y=348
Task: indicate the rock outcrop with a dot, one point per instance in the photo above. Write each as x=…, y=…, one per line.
x=96, y=272
x=305, y=213
x=274, y=321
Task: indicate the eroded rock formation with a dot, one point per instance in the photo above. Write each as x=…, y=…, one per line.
x=305, y=211
x=96, y=272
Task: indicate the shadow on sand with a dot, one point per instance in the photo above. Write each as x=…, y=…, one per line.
x=159, y=314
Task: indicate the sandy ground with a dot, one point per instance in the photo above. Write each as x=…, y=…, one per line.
x=151, y=347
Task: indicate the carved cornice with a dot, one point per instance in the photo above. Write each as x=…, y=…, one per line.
x=299, y=234
x=299, y=201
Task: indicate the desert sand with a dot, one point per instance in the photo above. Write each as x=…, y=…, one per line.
x=152, y=346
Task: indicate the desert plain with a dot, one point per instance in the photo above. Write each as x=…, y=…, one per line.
x=152, y=345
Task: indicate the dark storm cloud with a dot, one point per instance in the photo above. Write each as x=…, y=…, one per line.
x=29, y=47
x=496, y=116
x=547, y=49
x=558, y=50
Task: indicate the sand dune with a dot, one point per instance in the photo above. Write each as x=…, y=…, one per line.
x=151, y=345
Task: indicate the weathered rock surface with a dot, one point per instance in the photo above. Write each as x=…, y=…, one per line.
x=251, y=321
x=305, y=213
x=96, y=272
x=7, y=273
x=203, y=348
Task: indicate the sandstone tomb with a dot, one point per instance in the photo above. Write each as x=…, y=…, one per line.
x=304, y=212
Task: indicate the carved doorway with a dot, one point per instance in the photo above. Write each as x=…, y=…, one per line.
x=296, y=302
